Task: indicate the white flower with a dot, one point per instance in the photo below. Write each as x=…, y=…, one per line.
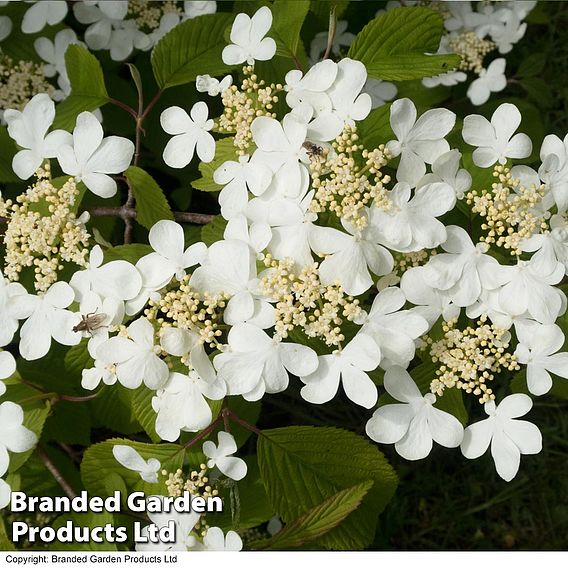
x=181, y=405
x=53, y=53
x=418, y=141
x=5, y=31
x=125, y=38
x=29, y=129
x=194, y=8
x=191, y=133
x=5, y=489
x=237, y=177
x=135, y=357
x=184, y=523
x=90, y=157
x=449, y=79
x=431, y=303
x=91, y=378
x=46, y=318
x=393, y=329
x=351, y=256
x=9, y=291
x=347, y=366
x=551, y=247
x=464, y=270
x=215, y=540
x=170, y=259
x=255, y=363
x=379, y=91
x=212, y=86
x=537, y=350
x=256, y=235
x=490, y=80
x=411, y=224
x=221, y=457
x=415, y=424
x=446, y=169
x=495, y=140
x=509, y=438
x=230, y=268
x=528, y=289
x=554, y=169
x=507, y=30
x=311, y=88
x=249, y=43
x=117, y=279
x=14, y=436
x=7, y=368
x=290, y=224
x=129, y=458
x=280, y=147
x=40, y=14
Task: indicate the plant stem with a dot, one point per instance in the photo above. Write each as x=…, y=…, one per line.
x=203, y=433
x=331, y=32
x=50, y=466
x=123, y=106
x=242, y=422
x=125, y=212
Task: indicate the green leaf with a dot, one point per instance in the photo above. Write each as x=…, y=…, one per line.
x=394, y=45
x=69, y=423
x=190, y=49
x=99, y=463
x=90, y=520
x=151, y=203
x=113, y=409
x=132, y=252
x=77, y=359
x=301, y=466
x=532, y=65
x=88, y=90
x=7, y=151
x=225, y=150
x=213, y=231
x=287, y=19
x=317, y=521
x=376, y=129
x=143, y=411
x=408, y=66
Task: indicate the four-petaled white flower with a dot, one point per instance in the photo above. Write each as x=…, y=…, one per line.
x=181, y=405
x=490, y=80
x=211, y=85
x=14, y=436
x=215, y=540
x=46, y=318
x=351, y=255
x=411, y=224
x=446, y=169
x=29, y=129
x=249, y=43
x=7, y=368
x=393, y=329
x=136, y=357
x=191, y=133
x=537, y=349
x=129, y=458
x=494, y=140
x=48, y=12
x=509, y=438
x=90, y=157
x=554, y=169
x=348, y=366
x=418, y=141
x=170, y=258
x=221, y=457
x=415, y=424
x=255, y=364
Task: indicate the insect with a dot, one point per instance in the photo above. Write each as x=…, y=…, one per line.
x=90, y=322
x=313, y=149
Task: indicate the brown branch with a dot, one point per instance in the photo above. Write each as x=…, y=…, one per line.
x=50, y=466
x=125, y=212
